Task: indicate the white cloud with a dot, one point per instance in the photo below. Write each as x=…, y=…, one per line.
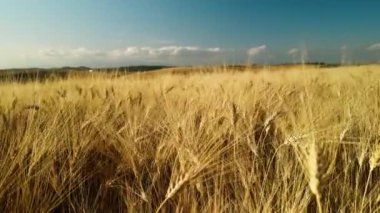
x=82, y=52
x=52, y=53
x=299, y=55
x=165, y=51
x=374, y=47
x=131, y=51
x=293, y=51
x=215, y=49
x=73, y=53
x=254, y=51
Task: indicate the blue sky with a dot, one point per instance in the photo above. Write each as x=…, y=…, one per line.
x=52, y=33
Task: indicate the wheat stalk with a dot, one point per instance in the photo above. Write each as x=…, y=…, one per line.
x=314, y=175
x=374, y=162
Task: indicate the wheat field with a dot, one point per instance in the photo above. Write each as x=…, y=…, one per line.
x=300, y=140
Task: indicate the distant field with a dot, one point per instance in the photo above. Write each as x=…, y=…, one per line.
x=217, y=139
x=33, y=74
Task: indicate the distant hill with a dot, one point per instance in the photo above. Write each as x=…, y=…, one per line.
x=30, y=74
x=141, y=68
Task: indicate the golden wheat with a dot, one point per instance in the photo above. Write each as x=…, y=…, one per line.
x=212, y=140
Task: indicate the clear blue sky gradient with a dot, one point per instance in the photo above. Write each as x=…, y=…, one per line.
x=27, y=27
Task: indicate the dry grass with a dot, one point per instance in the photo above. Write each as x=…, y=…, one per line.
x=244, y=141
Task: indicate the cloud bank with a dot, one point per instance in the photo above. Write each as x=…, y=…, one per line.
x=143, y=52
x=167, y=54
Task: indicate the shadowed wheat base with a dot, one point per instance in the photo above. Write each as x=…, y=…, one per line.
x=291, y=141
